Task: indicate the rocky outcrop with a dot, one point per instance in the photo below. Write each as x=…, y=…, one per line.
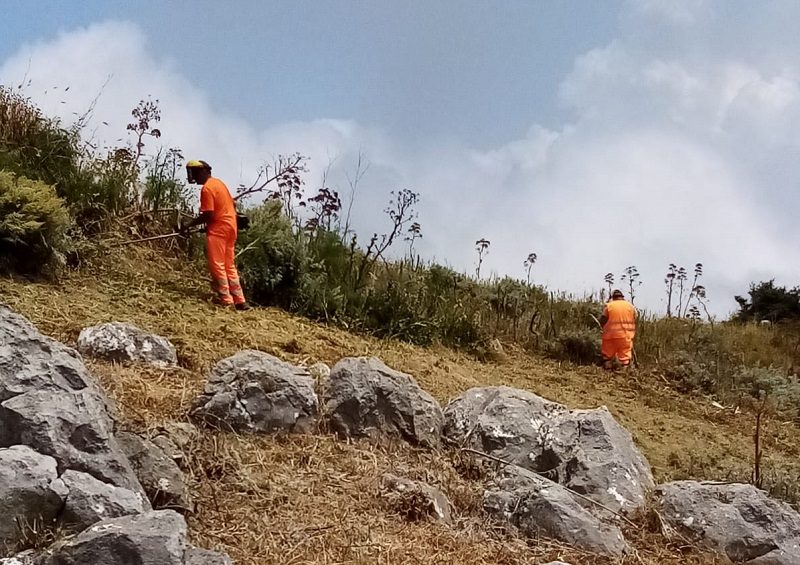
x=540, y=508
x=90, y=500
x=50, y=402
x=30, y=361
x=585, y=450
x=256, y=392
x=155, y=537
x=73, y=427
x=736, y=520
x=125, y=343
x=30, y=491
x=364, y=397
x=62, y=464
x=157, y=472
x=425, y=499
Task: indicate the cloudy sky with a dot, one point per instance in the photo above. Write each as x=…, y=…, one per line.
x=597, y=134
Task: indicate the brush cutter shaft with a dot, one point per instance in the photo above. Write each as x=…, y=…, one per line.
x=154, y=238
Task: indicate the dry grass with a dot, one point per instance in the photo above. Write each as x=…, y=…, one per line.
x=312, y=499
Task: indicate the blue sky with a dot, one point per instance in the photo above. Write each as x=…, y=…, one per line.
x=597, y=134
x=415, y=67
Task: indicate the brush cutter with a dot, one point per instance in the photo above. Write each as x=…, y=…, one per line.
x=242, y=223
x=157, y=237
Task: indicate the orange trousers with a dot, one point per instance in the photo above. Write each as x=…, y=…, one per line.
x=619, y=347
x=221, y=251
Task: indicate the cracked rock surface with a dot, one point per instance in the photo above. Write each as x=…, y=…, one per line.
x=587, y=451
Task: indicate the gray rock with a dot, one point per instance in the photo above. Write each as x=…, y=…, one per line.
x=364, y=397
x=197, y=556
x=29, y=491
x=256, y=392
x=50, y=401
x=91, y=500
x=72, y=427
x=30, y=361
x=736, y=520
x=605, y=465
x=125, y=343
x=434, y=502
x=502, y=421
x=158, y=473
x=153, y=538
x=585, y=450
x=541, y=508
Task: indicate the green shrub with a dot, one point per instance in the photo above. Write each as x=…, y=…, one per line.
x=688, y=373
x=33, y=226
x=272, y=260
x=579, y=346
x=37, y=147
x=327, y=292
x=782, y=391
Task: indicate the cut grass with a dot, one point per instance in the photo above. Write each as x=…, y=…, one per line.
x=313, y=499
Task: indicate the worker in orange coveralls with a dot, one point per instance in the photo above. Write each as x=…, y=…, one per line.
x=218, y=213
x=619, y=328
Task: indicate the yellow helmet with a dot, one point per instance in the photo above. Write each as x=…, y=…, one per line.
x=193, y=166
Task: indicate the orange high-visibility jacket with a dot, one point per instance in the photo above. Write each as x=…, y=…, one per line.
x=216, y=198
x=621, y=322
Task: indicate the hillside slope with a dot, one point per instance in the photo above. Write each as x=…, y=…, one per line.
x=278, y=500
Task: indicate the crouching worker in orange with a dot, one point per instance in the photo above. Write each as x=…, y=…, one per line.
x=619, y=328
x=218, y=213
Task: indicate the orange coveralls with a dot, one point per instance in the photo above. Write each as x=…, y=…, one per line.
x=619, y=331
x=221, y=236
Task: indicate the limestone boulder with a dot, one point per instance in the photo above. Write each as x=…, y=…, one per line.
x=539, y=508
x=737, y=520
x=30, y=491
x=154, y=538
x=72, y=427
x=90, y=500
x=157, y=471
x=50, y=402
x=364, y=398
x=125, y=343
x=256, y=392
x=585, y=450
x=30, y=361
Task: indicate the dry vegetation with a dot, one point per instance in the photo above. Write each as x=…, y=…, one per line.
x=299, y=500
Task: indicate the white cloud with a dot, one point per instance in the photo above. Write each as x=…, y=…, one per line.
x=655, y=168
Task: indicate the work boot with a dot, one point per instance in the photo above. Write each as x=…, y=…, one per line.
x=243, y=307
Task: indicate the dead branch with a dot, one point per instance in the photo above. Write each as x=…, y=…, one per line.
x=284, y=166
